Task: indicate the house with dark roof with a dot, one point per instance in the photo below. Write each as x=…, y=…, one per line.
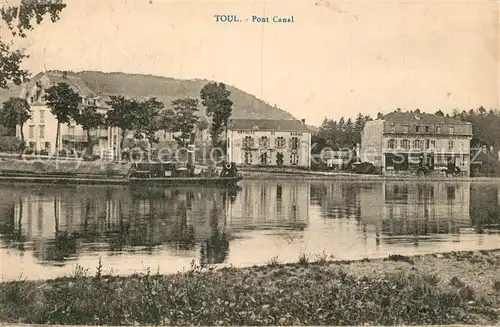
x=41, y=129
x=268, y=142
x=402, y=141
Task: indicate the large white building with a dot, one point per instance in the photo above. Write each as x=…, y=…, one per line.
x=267, y=142
x=401, y=140
x=41, y=129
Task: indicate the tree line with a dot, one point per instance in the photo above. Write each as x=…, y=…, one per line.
x=344, y=133
x=142, y=117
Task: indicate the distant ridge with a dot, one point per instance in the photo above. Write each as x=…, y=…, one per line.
x=167, y=89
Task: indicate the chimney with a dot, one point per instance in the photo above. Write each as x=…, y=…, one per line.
x=303, y=121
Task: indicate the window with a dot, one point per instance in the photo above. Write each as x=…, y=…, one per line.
x=438, y=129
x=417, y=129
x=393, y=128
x=416, y=144
x=451, y=129
x=248, y=157
x=405, y=128
x=42, y=131
x=391, y=144
x=427, y=144
x=294, y=159
x=71, y=130
x=248, y=142
x=47, y=145
x=32, y=145
x=264, y=142
x=427, y=129
x=405, y=144
x=294, y=143
x=450, y=145
x=280, y=142
x=31, y=132
x=42, y=116
x=433, y=144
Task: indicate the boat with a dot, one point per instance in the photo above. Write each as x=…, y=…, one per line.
x=150, y=174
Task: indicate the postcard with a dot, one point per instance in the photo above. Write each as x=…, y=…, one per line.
x=262, y=162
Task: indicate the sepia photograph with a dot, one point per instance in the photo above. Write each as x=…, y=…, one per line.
x=260, y=163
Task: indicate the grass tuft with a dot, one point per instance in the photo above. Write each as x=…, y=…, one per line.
x=304, y=259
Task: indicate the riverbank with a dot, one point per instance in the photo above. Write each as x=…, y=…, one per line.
x=297, y=174
x=452, y=288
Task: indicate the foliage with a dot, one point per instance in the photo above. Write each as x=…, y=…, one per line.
x=63, y=103
x=19, y=19
x=89, y=119
x=15, y=111
x=342, y=133
x=121, y=114
x=203, y=124
x=215, y=98
x=185, y=119
x=485, y=126
x=10, y=144
x=148, y=119
x=316, y=294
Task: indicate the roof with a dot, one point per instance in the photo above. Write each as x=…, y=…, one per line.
x=414, y=117
x=276, y=125
x=75, y=82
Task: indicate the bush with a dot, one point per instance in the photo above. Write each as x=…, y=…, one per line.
x=10, y=144
x=364, y=168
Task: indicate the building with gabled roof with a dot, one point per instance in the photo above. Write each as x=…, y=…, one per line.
x=400, y=141
x=269, y=142
x=40, y=130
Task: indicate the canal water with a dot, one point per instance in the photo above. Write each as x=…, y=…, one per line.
x=47, y=232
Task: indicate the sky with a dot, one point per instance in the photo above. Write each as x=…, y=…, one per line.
x=336, y=58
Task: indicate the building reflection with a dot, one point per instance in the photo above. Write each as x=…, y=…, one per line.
x=396, y=208
x=338, y=200
x=58, y=224
x=418, y=209
x=270, y=204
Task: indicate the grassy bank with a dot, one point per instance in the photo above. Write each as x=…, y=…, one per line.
x=433, y=289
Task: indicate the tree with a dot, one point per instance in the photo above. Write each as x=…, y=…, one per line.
x=122, y=114
x=148, y=119
x=18, y=20
x=89, y=119
x=215, y=98
x=185, y=119
x=63, y=103
x=15, y=111
x=203, y=124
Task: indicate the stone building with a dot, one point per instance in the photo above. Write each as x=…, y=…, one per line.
x=266, y=142
x=401, y=140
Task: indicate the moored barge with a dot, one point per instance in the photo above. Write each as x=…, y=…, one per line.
x=150, y=174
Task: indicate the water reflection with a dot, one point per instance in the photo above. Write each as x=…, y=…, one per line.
x=47, y=230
